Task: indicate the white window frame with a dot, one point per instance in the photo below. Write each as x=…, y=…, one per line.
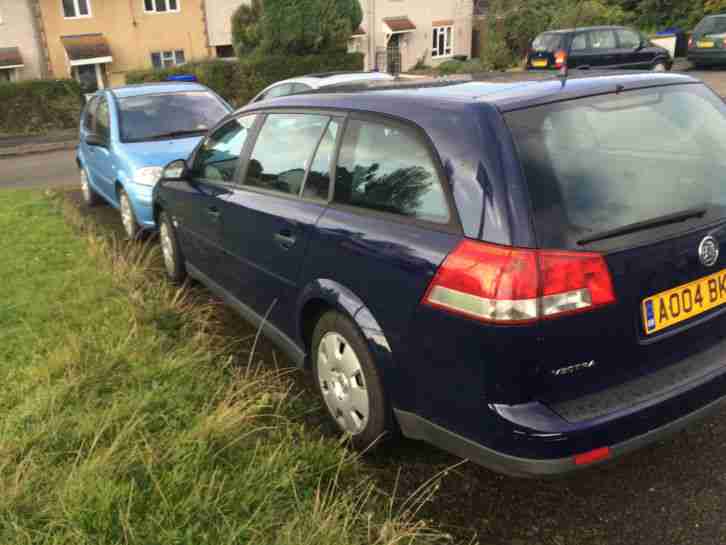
x=77, y=10
x=169, y=55
x=448, y=44
x=166, y=3
x=12, y=73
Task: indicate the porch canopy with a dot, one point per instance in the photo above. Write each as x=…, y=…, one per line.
x=84, y=49
x=10, y=58
x=398, y=25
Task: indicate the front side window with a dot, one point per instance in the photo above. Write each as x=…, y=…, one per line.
x=161, y=6
x=602, y=163
x=103, y=120
x=284, y=150
x=165, y=59
x=387, y=168
x=76, y=8
x=443, y=42
x=217, y=159
x=628, y=39
x=169, y=115
x=89, y=122
x=602, y=39
x=278, y=91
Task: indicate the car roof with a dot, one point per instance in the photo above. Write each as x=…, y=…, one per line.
x=418, y=99
x=156, y=88
x=583, y=28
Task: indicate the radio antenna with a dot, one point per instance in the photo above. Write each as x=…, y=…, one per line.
x=565, y=70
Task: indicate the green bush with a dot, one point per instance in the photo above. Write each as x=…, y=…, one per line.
x=238, y=82
x=38, y=106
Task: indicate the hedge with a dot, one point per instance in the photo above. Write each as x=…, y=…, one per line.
x=240, y=81
x=37, y=106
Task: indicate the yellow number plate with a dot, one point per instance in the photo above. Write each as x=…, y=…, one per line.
x=540, y=64
x=671, y=307
x=705, y=45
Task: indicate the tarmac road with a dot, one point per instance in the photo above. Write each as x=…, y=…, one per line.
x=52, y=169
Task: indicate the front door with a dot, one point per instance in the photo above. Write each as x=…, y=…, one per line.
x=100, y=164
x=268, y=221
x=394, y=55
x=198, y=203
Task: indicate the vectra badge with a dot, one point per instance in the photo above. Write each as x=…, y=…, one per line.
x=574, y=368
x=708, y=251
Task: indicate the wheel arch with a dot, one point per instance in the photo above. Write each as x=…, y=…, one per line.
x=324, y=294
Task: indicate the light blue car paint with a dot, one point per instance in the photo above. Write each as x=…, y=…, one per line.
x=112, y=168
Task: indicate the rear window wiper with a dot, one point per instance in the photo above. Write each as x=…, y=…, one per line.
x=667, y=219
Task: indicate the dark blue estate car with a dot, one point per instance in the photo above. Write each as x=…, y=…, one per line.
x=528, y=275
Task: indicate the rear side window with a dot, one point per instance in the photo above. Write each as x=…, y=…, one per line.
x=547, y=42
x=602, y=163
x=278, y=91
x=103, y=120
x=388, y=168
x=628, y=39
x=579, y=42
x=218, y=157
x=711, y=25
x=317, y=184
x=284, y=150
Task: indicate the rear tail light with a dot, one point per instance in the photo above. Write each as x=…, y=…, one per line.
x=690, y=42
x=597, y=455
x=560, y=58
x=511, y=285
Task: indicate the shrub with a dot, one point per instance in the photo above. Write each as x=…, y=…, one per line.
x=37, y=106
x=238, y=82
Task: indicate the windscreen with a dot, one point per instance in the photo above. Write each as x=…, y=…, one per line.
x=547, y=42
x=169, y=115
x=711, y=25
x=607, y=162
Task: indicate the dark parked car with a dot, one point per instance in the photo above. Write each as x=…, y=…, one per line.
x=597, y=47
x=526, y=275
x=707, y=45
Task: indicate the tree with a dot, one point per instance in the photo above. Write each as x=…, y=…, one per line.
x=246, y=32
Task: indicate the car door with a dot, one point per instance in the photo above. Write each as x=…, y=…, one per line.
x=602, y=49
x=101, y=161
x=631, y=51
x=196, y=202
x=269, y=217
x=579, y=51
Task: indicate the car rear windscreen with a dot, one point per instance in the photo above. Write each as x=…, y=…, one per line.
x=711, y=25
x=607, y=162
x=547, y=42
x=168, y=115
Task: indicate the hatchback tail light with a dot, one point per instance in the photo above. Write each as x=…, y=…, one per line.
x=560, y=58
x=515, y=286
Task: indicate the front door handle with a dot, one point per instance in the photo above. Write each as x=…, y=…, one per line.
x=286, y=239
x=214, y=213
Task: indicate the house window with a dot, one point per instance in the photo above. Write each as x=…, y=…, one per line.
x=6, y=75
x=225, y=51
x=443, y=45
x=76, y=8
x=164, y=59
x=161, y=6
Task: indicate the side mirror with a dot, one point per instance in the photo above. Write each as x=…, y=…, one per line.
x=176, y=170
x=94, y=139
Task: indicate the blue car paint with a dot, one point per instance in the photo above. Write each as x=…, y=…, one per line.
x=487, y=392
x=112, y=168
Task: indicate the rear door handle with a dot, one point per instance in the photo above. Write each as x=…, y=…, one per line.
x=286, y=239
x=214, y=213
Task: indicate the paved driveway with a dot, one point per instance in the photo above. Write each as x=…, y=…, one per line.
x=50, y=169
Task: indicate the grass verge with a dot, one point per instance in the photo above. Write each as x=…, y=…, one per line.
x=127, y=419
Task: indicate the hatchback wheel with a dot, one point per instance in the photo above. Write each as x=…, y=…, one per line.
x=131, y=226
x=173, y=259
x=90, y=197
x=349, y=381
x=660, y=67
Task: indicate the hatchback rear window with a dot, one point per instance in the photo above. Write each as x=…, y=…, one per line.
x=547, y=42
x=711, y=25
x=607, y=162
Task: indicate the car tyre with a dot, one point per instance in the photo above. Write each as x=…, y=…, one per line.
x=660, y=66
x=90, y=197
x=174, y=263
x=349, y=382
x=128, y=218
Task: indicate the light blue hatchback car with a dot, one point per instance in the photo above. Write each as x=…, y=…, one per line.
x=128, y=134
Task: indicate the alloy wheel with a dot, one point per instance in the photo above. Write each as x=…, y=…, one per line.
x=167, y=249
x=342, y=383
x=127, y=216
x=85, y=188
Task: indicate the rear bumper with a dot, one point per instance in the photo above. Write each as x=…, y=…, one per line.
x=538, y=439
x=706, y=56
x=416, y=427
